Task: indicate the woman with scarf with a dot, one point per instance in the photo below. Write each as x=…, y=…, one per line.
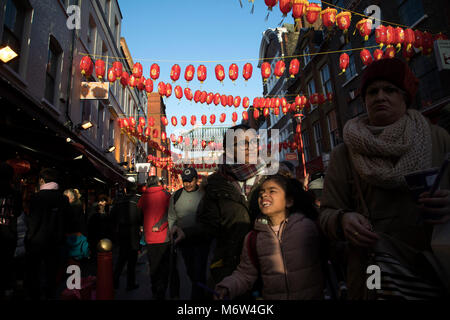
x=223, y=213
x=366, y=199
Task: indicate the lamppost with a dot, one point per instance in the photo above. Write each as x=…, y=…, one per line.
x=298, y=129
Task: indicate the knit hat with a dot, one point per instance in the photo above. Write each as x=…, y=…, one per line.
x=395, y=71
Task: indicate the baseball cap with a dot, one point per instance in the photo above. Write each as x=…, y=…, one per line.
x=188, y=174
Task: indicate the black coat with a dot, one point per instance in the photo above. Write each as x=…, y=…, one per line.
x=47, y=221
x=127, y=220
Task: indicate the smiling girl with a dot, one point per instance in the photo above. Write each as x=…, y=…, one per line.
x=286, y=247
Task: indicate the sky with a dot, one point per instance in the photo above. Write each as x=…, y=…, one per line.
x=187, y=32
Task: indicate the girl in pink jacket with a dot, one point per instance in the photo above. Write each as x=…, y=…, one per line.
x=283, y=248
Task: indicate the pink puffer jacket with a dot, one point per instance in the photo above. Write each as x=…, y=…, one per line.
x=290, y=265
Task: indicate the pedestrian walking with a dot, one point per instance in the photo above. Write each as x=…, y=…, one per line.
x=366, y=200
x=155, y=204
x=283, y=249
x=127, y=221
x=100, y=223
x=10, y=209
x=45, y=238
x=182, y=214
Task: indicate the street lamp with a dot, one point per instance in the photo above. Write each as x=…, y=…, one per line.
x=85, y=125
x=298, y=117
x=7, y=54
x=111, y=149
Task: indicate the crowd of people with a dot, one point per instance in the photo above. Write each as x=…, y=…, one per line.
x=245, y=235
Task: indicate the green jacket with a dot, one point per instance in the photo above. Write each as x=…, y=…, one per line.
x=393, y=213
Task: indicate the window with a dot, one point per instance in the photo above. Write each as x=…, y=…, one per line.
x=326, y=82
x=306, y=56
x=311, y=91
x=92, y=35
x=410, y=11
x=116, y=29
x=318, y=138
x=333, y=129
x=107, y=10
x=306, y=146
x=111, y=132
x=85, y=110
x=53, y=61
x=13, y=30
x=100, y=124
x=72, y=3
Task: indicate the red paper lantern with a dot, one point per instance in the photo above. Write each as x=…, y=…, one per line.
x=223, y=116
x=237, y=101
x=155, y=133
x=329, y=17
x=418, y=42
x=378, y=54
x=256, y=102
x=163, y=136
x=220, y=72
x=204, y=119
x=147, y=132
x=233, y=72
x=216, y=99
x=294, y=67
x=364, y=27
x=343, y=20
x=298, y=9
x=312, y=12
x=132, y=82
x=246, y=102
x=276, y=111
x=201, y=73
x=193, y=120
x=183, y=120
x=344, y=60
x=399, y=37
x=180, y=139
x=137, y=70
x=410, y=38
x=440, y=36
x=149, y=85
x=230, y=100
x=408, y=53
x=86, y=66
x=111, y=75
x=279, y=68
x=283, y=102
x=203, y=146
x=270, y=4
x=178, y=92
x=174, y=121
x=277, y=103
x=285, y=108
x=124, y=78
x=321, y=98
x=194, y=142
x=265, y=71
x=247, y=71
x=234, y=117
x=427, y=43
x=151, y=121
x=212, y=118
x=100, y=68
x=188, y=94
x=256, y=114
x=173, y=138
x=366, y=57
x=380, y=35
x=245, y=115
x=154, y=71
x=330, y=96
x=175, y=72
x=285, y=7
x=189, y=73
x=117, y=67
x=162, y=89
x=266, y=112
x=314, y=99
x=140, y=130
x=141, y=83
x=203, y=97
x=209, y=98
x=197, y=95
x=142, y=121
x=223, y=100
x=390, y=35
x=389, y=53
x=164, y=121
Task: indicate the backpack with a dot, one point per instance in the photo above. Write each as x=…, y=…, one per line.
x=177, y=195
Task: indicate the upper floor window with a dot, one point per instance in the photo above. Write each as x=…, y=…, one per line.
x=107, y=10
x=306, y=55
x=318, y=138
x=51, y=75
x=351, y=69
x=333, y=128
x=13, y=30
x=326, y=81
x=306, y=146
x=410, y=11
x=91, y=35
x=311, y=91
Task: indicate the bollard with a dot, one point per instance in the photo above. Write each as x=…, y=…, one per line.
x=105, y=287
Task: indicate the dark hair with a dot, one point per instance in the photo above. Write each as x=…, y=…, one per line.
x=49, y=175
x=293, y=189
x=152, y=181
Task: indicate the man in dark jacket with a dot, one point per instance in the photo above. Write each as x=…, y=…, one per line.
x=127, y=221
x=44, y=241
